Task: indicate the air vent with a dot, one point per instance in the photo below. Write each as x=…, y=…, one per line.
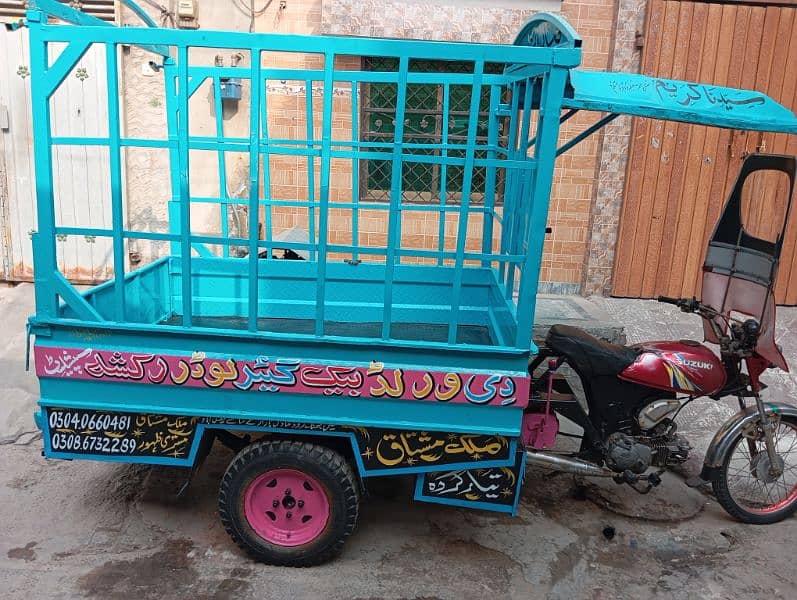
x=13, y=10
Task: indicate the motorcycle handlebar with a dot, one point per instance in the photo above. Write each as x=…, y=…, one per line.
x=694, y=306
x=685, y=304
x=668, y=300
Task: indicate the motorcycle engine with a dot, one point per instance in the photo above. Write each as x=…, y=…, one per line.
x=623, y=453
x=661, y=447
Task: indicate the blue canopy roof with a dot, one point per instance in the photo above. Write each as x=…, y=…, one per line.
x=674, y=100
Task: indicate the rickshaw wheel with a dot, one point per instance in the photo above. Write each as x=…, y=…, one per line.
x=289, y=503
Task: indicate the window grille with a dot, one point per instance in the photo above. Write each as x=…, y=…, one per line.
x=12, y=10
x=423, y=124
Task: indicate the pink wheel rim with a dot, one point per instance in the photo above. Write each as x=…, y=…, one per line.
x=780, y=504
x=286, y=507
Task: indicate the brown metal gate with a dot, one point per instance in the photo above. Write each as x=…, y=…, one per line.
x=679, y=175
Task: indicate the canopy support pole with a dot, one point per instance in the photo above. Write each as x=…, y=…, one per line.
x=587, y=132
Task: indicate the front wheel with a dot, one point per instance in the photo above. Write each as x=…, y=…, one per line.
x=749, y=486
x=289, y=503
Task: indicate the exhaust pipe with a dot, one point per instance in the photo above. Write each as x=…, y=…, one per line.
x=567, y=464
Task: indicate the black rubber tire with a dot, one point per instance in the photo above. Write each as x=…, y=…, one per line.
x=327, y=466
x=719, y=484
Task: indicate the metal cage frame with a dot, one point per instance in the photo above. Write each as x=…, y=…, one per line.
x=512, y=269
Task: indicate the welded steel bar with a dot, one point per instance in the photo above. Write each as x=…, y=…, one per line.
x=396, y=188
x=115, y=163
x=254, y=186
x=323, y=217
x=464, y=214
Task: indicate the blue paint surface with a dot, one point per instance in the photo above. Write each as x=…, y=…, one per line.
x=465, y=286
x=690, y=102
x=468, y=307
x=189, y=460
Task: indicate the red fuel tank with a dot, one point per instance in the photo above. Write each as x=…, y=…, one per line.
x=686, y=367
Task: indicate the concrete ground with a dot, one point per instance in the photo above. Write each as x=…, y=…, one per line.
x=99, y=530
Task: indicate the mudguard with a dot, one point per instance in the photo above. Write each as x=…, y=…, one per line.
x=721, y=443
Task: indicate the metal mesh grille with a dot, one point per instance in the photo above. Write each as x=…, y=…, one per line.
x=423, y=124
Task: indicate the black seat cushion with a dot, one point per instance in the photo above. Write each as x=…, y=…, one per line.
x=587, y=354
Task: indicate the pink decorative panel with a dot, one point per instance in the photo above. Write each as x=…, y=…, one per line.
x=267, y=374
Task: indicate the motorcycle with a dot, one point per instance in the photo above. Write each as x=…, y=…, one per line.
x=634, y=393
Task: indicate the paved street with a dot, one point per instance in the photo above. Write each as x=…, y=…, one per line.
x=100, y=530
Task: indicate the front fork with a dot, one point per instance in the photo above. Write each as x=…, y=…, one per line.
x=768, y=426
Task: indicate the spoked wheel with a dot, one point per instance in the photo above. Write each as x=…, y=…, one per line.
x=749, y=486
x=289, y=503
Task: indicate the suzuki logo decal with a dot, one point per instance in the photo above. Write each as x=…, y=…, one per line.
x=695, y=364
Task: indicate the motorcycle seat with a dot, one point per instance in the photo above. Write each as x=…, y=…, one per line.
x=588, y=355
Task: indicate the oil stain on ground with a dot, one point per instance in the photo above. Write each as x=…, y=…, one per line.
x=168, y=573
x=162, y=574
x=27, y=553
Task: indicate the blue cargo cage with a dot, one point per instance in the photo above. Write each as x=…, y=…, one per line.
x=401, y=359
x=471, y=300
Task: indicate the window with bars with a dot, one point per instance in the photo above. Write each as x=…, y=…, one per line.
x=12, y=10
x=423, y=124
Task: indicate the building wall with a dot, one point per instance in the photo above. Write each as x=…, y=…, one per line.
x=148, y=186
x=608, y=193
x=563, y=267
